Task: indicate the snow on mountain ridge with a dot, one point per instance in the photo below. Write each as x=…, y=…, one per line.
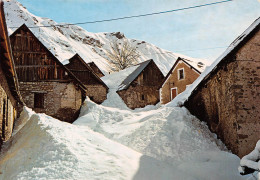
x=65, y=41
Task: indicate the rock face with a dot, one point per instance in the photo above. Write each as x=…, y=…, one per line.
x=229, y=99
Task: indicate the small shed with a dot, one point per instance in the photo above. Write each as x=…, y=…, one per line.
x=96, y=69
x=141, y=87
x=96, y=89
x=182, y=74
x=46, y=85
x=227, y=96
x=9, y=90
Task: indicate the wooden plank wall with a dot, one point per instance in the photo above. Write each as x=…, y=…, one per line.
x=33, y=61
x=82, y=72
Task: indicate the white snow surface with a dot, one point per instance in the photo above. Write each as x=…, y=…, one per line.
x=110, y=143
x=66, y=41
x=252, y=160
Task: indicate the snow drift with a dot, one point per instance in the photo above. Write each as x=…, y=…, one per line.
x=46, y=148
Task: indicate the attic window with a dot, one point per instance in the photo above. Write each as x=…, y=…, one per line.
x=181, y=73
x=38, y=100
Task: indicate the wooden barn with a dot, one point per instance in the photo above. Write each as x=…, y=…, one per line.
x=228, y=96
x=96, y=69
x=45, y=84
x=142, y=86
x=96, y=88
x=9, y=91
x=182, y=74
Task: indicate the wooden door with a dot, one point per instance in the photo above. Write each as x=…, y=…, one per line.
x=173, y=93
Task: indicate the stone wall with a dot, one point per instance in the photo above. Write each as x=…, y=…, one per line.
x=144, y=90
x=61, y=100
x=247, y=94
x=229, y=100
x=140, y=96
x=97, y=93
x=173, y=81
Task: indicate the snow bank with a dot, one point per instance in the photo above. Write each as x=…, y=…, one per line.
x=252, y=160
x=45, y=148
x=167, y=134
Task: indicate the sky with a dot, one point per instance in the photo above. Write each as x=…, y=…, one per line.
x=200, y=33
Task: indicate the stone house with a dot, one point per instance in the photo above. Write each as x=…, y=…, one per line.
x=182, y=74
x=9, y=90
x=228, y=94
x=96, y=69
x=142, y=86
x=96, y=89
x=46, y=85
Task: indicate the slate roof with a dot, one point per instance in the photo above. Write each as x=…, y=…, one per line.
x=129, y=79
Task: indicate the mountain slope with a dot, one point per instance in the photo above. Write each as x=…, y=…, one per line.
x=65, y=41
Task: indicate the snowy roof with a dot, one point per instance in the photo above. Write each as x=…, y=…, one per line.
x=236, y=44
x=129, y=79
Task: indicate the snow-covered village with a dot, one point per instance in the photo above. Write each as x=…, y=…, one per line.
x=88, y=90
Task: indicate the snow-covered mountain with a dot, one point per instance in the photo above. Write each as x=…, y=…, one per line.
x=65, y=41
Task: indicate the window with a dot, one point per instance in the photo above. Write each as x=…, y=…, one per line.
x=181, y=74
x=38, y=100
x=142, y=98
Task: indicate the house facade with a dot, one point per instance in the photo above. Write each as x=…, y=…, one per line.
x=45, y=84
x=181, y=75
x=228, y=97
x=96, y=88
x=9, y=90
x=141, y=87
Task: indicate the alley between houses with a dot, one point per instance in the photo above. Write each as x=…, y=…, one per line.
x=115, y=142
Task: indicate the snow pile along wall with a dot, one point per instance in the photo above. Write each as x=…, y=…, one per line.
x=46, y=148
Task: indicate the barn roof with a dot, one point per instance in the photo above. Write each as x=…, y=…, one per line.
x=94, y=64
x=6, y=57
x=223, y=59
x=129, y=79
x=75, y=79
x=89, y=68
x=186, y=61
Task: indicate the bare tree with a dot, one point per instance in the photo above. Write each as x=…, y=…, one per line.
x=122, y=55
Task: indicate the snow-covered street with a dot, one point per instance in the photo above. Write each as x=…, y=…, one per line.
x=110, y=143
